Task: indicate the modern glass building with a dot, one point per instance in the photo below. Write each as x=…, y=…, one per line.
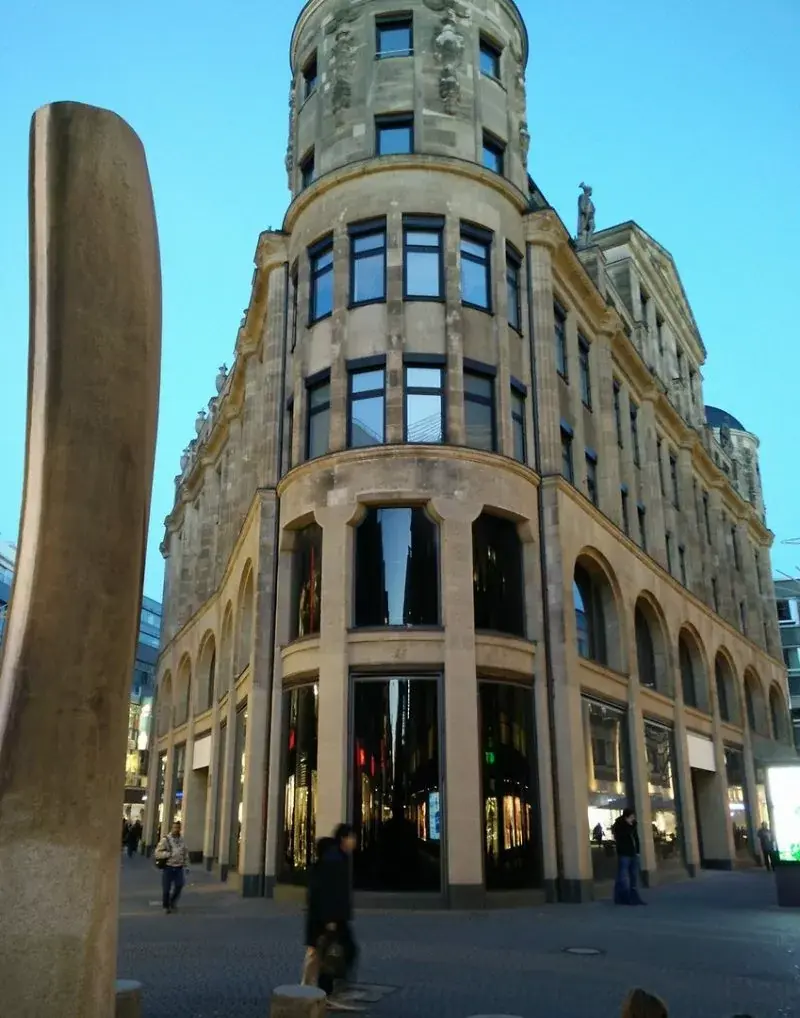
x=455, y=554
x=141, y=708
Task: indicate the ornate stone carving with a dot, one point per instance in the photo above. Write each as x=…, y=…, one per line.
x=725, y=437
x=200, y=420
x=342, y=61
x=586, y=212
x=290, y=144
x=222, y=378
x=184, y=459
x=448, y=48
x=524, y=141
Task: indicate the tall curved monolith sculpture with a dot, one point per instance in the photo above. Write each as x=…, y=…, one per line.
x=93, y=380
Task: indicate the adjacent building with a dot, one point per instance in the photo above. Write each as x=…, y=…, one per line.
x=457, y=554
x=787, y=593
x=8, y=557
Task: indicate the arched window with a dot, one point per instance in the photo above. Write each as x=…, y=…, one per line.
x=397, y=568
x=645, y=649
x=591, y=594
x=755, y=704
x=244, y=628
x=307, y=582
x=206, y=672
x=750, y=705
x=183, y=697
x=777, y=710
x=726, y=689
x=226, y=653
x=165, y=705
x=686, y=658
x=497, y=586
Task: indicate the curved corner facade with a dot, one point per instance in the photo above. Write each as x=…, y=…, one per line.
x=447, y=559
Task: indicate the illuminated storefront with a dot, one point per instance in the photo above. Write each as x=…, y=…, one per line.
x=300, y=782
x=737, y=802
x=661, y=787
x=608, y=779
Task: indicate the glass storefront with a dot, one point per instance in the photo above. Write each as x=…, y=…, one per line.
x=221, y=754
x=307, y=582
x=300, y=711
x=178, y=773
x=511, y=848
x=737, y=801
x=238, y=786
x=396, y=784
x=162, y=778
x=497, y=575
x=608, y=776
x=660, y=751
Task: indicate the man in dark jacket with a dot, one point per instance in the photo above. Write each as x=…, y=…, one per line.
x=330, y=906
x=626, y=838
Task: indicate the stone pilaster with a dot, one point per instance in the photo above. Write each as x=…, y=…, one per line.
x=651, y=483
x=608, y=453
x=638, y=751
x=454, y=333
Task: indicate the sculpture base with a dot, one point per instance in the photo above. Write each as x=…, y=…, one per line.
x=129, y=999
x=297, y=1002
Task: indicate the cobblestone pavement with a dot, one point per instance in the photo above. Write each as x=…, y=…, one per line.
x=712, y=948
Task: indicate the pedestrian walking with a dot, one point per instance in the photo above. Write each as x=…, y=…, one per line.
x=172, y=858
x=626, y=839
x=329, y=933
x=125, y=828
x=767, y=843
x=134, y=837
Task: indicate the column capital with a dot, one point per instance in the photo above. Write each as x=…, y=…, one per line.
x=335, y=517
x=545, y=229
x=455, y=509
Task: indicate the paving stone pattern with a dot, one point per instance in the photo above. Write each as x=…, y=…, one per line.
x=712, y=948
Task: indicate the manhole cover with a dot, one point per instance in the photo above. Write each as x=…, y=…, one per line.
x=587, y=951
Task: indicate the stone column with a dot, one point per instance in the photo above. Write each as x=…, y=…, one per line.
x=212, y=791
x=651, y=483
x=718, y=847
x=608, y=466
x=683, y=779
x=334, y=677
x=751, y=793
x=194, y=801
x=225, y=818
x=92, y=410
x=719, y=553
x=462, y=771
x=638, y=754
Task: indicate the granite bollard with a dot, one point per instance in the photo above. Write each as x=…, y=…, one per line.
x=93, y=380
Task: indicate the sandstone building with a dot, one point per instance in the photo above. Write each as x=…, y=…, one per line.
x=455, y=554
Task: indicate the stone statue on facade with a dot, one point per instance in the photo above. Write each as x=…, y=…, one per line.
x=448, y=46
x=586, y=212
x=289, y=162
x=725, y=437
x=342, y=62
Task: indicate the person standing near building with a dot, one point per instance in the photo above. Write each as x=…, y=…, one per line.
x=767, y=843
x=626, y=839
x=134, y=837
x=172, y=855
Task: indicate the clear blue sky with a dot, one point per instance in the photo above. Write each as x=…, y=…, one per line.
x=684, y=116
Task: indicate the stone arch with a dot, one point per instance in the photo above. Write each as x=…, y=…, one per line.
x=244, y=621
x=726, y=687
x=778, y=713
x=206, y=672
x=165, y=705
x=755, y=703
x=598, y=620
x=225, y=665
x=652, y=645
x=183, y=691
x=693, y=669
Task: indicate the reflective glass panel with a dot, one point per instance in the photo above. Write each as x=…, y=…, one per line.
x=738, y=807
x=221, y=755
x=397, y=568
x=423, y=273
x=238, y=787
x=366, y=427
x=396, y=784
x=479, y=421
x=307, y=582
x=667, y=836
x=369, y=277
x=605, y=740
x=318, y=433
x=497, y=575
x=510, y=815
x=394, y=39
x=300, y=781
x=395, y=139
x=322, y=295
x=474, y=282
x=424, y=418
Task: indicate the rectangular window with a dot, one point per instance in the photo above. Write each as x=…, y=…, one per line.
x=289, y=433
x=566, y=455
x=479, y=410
x=518, y=424
x=735, y=545
x=682, y=561
x=591, y=476
x=365, y=422
x=692, y=385
x=618, y=411
x=645, y=301
x=321, y=260
x=295, y=281
x=394, y=37
x=635, y=433
x=660, y=334
x=679, y=356
x=319, y=415
x=489, y=59
x=640, y=512
x=706, y=517
x=673, y=476
x=585, y=376
x=513, y=287
x=660, y=459
x=715, y=594
x=424, y=404
x=784, y=613
x=494, y=153
x=743, y=617
x=394, y=134
x=368, y=262
x=757, y=562
x=310, y=76
x=423, y=267
x=626, y=520
x=476, y=266
x=307, y=169
x=560, y=319
x=668, y=542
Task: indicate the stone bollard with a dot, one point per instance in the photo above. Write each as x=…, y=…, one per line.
x=297, y=1002
x=129, y=999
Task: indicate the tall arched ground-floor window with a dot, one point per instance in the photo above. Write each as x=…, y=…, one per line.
x=240, y=734
x=176, y=796
x=396, y=783
x=608, y=777
x=222, y=750
x=738, y=806
x=162, y=777
x=300, y=713
x=663, y=791
x=512, y=852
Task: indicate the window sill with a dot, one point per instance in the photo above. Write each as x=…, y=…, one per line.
x=315, y=321
x=487, y=310
x=397, y=630
x=395, y=56
x=587, y=406
x=366, y=303
x=517, y=329
x=564, y=378
x=306, y=99
x=411, y=298
x=491, y=77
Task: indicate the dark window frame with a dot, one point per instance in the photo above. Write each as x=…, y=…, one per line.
x=634, y=418
x=641, y=514
x=387, y=22
x=500, y=532
x=682, y=564
x=294, y=282
x=488, y=47
x=310, y=81
x=737, y=562
x=660, y=459
x=567, y=458
x=617, y=388
x=668, y=548
x=706, y=516
x=673, y=477
x=560, y=340
x=495, y=149
x=354, y=368
x=585, y=370
x=315, y=382
x=514, y=288
x=433, y=225
x=484, y=238
x=367, y=228
x=315, y=253
x=487, y=372
x=519, y=419
x=390, y=121
x=422, y=361
x=626, y=515
x=307, y=169
x=591, y=477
